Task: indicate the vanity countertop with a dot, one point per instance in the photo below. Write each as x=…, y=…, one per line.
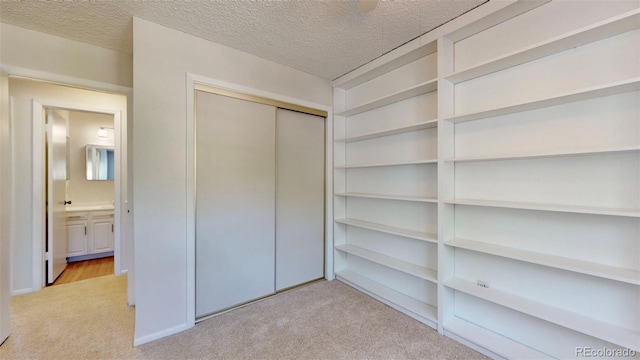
x=88, y=207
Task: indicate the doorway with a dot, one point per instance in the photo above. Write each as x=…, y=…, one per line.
x=80, y=169
x=30, y=99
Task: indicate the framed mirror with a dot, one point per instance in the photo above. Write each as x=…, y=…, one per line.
x=100, y=162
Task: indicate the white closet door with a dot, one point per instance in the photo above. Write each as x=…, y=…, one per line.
x=299, y=199
x=235, y=202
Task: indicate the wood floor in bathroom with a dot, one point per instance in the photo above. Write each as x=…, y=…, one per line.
x=87, y=269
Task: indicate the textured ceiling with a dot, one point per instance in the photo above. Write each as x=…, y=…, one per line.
x=327, y=38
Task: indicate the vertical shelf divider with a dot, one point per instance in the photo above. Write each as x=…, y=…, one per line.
x=446, y=224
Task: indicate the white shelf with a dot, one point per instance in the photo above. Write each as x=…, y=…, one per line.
x=419, y=89
x=598, y=31
x=580, y=323
x=583, y=267
x=392, y=131
x=412, y=234
x=614, y=88
x=547, y=207
x=390, y=262
x=605, y=151
x=371, y=70
x=415, y=162
x=420, y=309
x=491, y=341
x=390, y=197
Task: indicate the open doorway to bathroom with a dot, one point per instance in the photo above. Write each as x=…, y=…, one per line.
x=31, y=101
x=80, y=236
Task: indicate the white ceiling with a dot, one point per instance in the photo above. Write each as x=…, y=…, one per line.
x=327, y=38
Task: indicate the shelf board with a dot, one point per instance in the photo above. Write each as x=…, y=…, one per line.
x=392, y=131
x=412, y=234
x=400, y=163
x=610, y=27
x=390, y=262
x=420, y=309
x=580, y=266
x=547, y=207
x=593, y=92
x=577, y=322
x=419, y=89
x=605, y=151
x=390, y=197
x=487, y=339
x=386, y=63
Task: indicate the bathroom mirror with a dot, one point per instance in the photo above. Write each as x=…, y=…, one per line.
x=100, y=162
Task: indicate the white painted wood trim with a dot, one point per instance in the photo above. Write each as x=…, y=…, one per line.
x=160, y=334
x=37, y=226
x=37, y=203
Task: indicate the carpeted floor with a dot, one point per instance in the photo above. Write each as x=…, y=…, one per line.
x=326, y=320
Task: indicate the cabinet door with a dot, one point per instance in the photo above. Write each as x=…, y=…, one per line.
x=76, y=238
x=102, y=231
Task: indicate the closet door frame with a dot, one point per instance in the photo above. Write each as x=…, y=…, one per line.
x=200, y=83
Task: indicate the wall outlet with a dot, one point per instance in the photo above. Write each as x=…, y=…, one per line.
x=484, y=284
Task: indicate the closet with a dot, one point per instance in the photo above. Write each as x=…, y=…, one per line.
x=259, y=199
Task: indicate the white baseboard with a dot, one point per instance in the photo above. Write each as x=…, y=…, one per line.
x=22, y=291
x=160, y=334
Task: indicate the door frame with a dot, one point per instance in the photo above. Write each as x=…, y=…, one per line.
x=127, y=232
x=39, y=175
x=193, y=81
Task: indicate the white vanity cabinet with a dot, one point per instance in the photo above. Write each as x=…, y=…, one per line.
x=89, y=233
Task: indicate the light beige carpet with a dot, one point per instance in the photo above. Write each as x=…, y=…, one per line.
x=326, y=320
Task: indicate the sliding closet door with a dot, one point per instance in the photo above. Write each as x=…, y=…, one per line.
x=235, y=202
x=299, y=198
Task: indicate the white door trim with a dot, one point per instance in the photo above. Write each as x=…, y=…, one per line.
x=38, y=278
x=191, y=81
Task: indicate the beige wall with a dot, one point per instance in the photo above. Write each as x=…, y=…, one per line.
x=162, y=59
x=83, y=130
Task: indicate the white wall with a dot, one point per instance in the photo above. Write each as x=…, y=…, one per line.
x=55, y=55
x=32, y=54
x=23, y=93
x=5, y=287
x=83, y=130
x=162, y=57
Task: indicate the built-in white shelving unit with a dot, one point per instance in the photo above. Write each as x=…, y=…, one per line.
x=614, y=334
x=416, y=90
x=594, y=92
x=613, y=150
x=385, y=181
x=559, y=262
x=407, y=304
x=393, y=131
x=412, y=234
x=599, y=31
x=390, y=197
x=489, y=187
x=390, y=262
x=548, y=207
x=414, y=162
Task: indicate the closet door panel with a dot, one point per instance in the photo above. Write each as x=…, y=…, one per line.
x=235, y=202
x=299, y=198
